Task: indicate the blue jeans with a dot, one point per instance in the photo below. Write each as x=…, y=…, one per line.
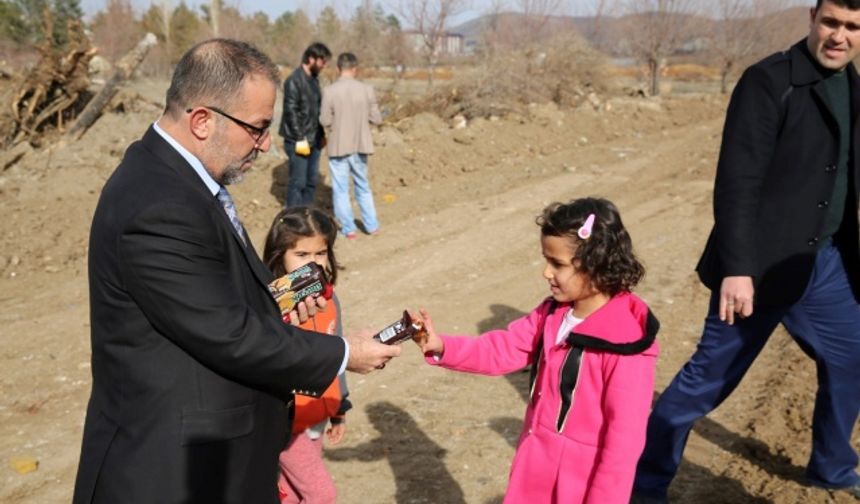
x=304, y=172
x=825, y=323
x=341, y=168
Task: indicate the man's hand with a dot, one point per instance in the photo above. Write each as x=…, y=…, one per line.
x=303, y=148
x=306, y=309
x=736, y=297
x=367, y=354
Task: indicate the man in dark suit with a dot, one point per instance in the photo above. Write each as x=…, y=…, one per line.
x=784, y=249
x=193, y=369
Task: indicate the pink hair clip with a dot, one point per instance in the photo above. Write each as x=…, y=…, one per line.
x=585, y=231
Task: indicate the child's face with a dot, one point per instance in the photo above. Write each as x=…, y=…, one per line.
x=566, y=283
x=307, y=249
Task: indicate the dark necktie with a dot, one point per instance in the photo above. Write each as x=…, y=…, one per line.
x=230, y=208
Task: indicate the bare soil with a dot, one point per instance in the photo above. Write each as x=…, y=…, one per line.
x=457, y=208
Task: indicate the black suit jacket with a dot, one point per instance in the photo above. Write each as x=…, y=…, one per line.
x=775, y=178
x=192, y=366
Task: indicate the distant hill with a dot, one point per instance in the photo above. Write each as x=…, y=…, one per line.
x=606, y=32
x=474, y=29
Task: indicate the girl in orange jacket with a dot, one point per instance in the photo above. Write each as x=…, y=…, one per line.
x=298, y=236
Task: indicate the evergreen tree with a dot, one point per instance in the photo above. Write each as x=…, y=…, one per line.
x=25, y=22
x=255, y=28
x=365, y=32
x=111, y=41
x=392, y=22
x=153, y=22
x=13, y=23
x=185, y=30
x=290, y=34
x=328, y=27
x=65, y=12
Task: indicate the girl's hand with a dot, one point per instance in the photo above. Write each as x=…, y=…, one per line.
x=335, y=432
x=306, y=309
x=429, y=341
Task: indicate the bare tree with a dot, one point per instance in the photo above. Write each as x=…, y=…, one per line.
x=492, y=32
x=656, y=30
x=536, y=16
x=526, y=22
x=743, y=30
x=429, y=19
x=115, y=30
x=598, y=9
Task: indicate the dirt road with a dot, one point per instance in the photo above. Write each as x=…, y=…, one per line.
x=457, y=208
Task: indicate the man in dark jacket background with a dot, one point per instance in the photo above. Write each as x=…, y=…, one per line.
x=304, y=138
x=784, y=249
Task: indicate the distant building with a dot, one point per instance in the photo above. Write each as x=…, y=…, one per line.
x=695, y=45
x=451, y=44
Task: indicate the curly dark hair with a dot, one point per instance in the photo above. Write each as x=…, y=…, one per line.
x=292, y=224
x=606, y=257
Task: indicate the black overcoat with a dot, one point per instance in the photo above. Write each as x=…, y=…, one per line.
x=775, y=178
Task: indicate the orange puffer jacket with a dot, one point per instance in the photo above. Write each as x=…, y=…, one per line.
x=332, y=404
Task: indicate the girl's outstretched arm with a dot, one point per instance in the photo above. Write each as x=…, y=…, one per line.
x=494, y=352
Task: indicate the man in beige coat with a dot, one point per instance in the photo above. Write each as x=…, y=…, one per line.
x=348, y=109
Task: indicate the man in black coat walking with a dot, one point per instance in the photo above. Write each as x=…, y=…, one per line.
x=783, y=249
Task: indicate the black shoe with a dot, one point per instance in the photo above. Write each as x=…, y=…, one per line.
x=855, y=490
x=642, y=499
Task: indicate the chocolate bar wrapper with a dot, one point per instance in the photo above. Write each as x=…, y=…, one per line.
x=400, y=331
x=297, y=285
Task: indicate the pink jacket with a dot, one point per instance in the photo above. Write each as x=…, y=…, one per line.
x=584, y=427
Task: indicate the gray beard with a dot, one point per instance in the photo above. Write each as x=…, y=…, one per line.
x=232, y=176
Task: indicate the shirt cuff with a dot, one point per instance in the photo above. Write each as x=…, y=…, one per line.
x=345, y=357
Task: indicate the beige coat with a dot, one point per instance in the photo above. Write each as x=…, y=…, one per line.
x=348, y=109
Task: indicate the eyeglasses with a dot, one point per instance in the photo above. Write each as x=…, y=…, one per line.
x=256, y=132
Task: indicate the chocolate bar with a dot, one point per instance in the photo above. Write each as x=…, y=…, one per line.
x=308, y=280
x=400, y=331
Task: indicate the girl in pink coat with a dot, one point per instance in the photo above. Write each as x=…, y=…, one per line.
x=592, y=348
